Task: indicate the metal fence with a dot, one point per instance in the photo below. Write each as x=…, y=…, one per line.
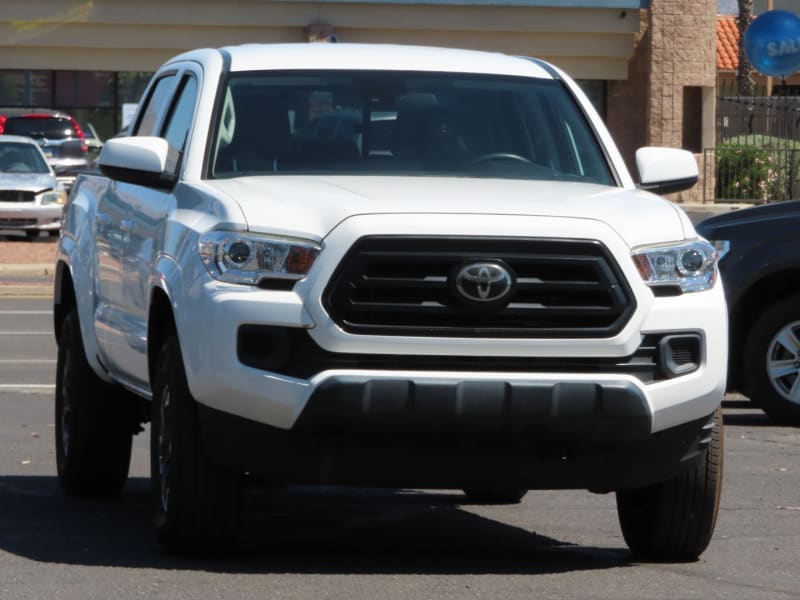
x=757, y=158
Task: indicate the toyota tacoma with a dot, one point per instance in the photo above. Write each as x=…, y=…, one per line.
x=346, y=264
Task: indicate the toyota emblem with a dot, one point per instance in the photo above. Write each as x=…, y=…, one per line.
x=483, y=282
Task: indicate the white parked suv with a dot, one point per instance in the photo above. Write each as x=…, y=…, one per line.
x=461, y=289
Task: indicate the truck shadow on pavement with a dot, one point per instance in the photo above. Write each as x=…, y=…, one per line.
x=742, y=412
x=296, y=530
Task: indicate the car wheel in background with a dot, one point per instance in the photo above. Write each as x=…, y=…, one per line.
x=197, y=503
x=93, y=435
x=675, y=519
x=772, y=361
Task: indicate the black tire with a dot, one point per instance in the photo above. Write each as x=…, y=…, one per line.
x=197, y=503
x=674, y=520
x=93, y=433
x=772, y=361
x=495, y=496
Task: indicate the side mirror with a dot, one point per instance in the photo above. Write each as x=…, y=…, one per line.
x=144, y=160
x=666, y=170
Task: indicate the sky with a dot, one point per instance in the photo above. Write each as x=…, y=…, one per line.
x=727, y=7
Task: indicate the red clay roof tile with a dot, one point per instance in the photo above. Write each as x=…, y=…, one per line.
x=727, y=43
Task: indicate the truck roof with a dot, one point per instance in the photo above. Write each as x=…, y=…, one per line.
x=395, y=57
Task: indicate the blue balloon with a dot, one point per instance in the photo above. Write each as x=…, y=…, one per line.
x=772, y=43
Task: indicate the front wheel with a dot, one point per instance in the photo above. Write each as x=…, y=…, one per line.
x=772, y=361
x=197, y=503
x=675, y=519
x=94, y=431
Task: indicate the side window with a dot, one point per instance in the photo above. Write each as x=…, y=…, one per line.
x=156, y=106
x=180, y=119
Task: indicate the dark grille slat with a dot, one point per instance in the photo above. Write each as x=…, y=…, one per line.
x=401, y=286
x=399, y=282
x=17, y=196
x=396, y=308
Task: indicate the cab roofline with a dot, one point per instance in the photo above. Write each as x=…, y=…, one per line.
x=391, y=57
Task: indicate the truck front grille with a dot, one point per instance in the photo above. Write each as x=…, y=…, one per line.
x=404, y=285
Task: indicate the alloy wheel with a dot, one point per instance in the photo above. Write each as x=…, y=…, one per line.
x=783, y=362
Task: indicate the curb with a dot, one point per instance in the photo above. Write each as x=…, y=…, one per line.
x=31, y=281
x=698, y=212
x=29, y=270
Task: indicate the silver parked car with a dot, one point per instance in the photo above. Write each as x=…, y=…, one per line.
x=61, y=138
x=31, y=198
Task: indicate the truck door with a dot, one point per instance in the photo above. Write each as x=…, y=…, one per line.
x=148, y=213
x=118, y=337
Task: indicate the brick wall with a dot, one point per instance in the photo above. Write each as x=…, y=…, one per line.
x=675, y=48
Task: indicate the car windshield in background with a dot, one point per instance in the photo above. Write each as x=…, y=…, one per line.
x=375, y=123
x=54, y=128
x=21, y=158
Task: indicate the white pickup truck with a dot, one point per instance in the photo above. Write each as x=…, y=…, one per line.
x=387, y=266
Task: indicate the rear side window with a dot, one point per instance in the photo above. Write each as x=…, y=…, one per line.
x=54, y=128
x=156, y=106
x=181, y=117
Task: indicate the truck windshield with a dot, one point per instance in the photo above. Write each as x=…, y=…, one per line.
x=401, y=123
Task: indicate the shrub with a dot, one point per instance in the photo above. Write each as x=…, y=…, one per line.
x=749, y=173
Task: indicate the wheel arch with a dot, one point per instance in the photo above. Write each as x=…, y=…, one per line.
x=160, y=326
x=63, y=295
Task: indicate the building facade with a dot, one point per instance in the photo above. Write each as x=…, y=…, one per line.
x=647, y=64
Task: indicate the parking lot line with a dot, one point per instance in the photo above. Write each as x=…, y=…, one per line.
x=22, y=387
x=27, y=361
x=26, y=333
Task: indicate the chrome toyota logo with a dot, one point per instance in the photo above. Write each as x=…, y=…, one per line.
x=484, y=282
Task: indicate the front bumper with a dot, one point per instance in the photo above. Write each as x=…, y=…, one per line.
x=29, y=216
x=220, y=380
x=402, y=454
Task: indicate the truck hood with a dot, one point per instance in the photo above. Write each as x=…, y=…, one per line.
x=27, y=182
x=311, y=206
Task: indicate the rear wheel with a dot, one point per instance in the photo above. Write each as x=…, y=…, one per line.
x=92, y=422
x=772, y=361
x=674, y=519
x=197, y=503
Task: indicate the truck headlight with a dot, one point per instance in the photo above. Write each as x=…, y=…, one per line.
x=691, y=266
x=249, y=258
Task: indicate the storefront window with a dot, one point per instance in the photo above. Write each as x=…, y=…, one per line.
x=595, y=89
x=84, y=88
x=26, y=88
x=93, y=97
